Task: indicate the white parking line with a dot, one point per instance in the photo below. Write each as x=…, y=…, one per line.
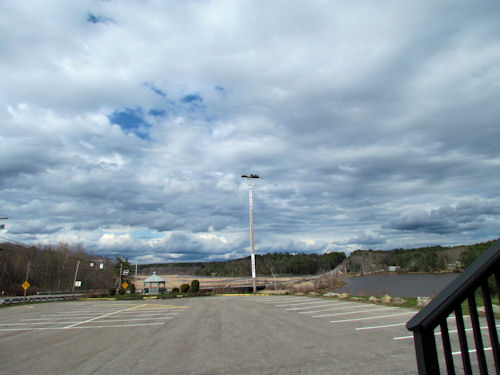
x=74, y=313
x=38, y=323
x=154, y=311
x=301, y=303
x=288, y=299
x=129, y=320
x=354, y=312
x=170, y=313
x=313, y=307
x=55, y=319
x=76, y=327
x=342, y=307
x=377, y=327
x=268, y=299
x=368, y=318
x=487, y=349
x=102, y=316
x=438, y=333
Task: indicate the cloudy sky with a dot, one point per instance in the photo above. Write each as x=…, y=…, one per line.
x=125, y=126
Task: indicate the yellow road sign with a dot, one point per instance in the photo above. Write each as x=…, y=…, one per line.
x=124, y=285
x=25, y=285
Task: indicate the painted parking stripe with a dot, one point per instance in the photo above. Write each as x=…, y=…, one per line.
x=80, y=327
x=287, y=300
x=101, y=321
x=58, y=318
x=340, y=306
x=267, y=300
x=64, y=317
x=82, y=312
x=103, y=316
x=369, y=318
x=165, y=311
x=315, y=306
x=131, y=320
x=378, y=327
x=487, y=349
x=438, y=333
x=36, y=323
x=272, y=299
x=154, y=314
x=26, y=324
x=354, y=312
x=55, y=319
x=302, y=303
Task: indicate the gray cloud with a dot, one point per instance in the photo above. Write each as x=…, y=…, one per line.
x=126, y=126
x=465, y=217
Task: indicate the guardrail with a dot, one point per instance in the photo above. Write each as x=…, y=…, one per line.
x=39, y=298
x=464, y=288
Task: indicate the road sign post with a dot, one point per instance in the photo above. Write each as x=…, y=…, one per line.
x=25, y=286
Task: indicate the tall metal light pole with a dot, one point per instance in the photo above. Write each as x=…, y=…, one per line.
x=249, y=179
x=2, y=226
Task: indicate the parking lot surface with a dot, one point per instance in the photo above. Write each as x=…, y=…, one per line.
x=212, y=335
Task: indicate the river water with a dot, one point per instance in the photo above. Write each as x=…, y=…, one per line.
x=397, y=285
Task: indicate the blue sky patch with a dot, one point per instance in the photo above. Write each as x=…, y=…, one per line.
x=157, y=112
x=156, y=90
x=220, y=89
x=92, y=18
x=131, y=121
x=191, y=98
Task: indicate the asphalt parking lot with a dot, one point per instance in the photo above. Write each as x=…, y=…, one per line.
x=212, y=335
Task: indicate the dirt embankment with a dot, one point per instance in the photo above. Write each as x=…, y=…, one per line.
x=175, y=281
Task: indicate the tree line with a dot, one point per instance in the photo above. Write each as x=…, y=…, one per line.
x=51, y=269
x=425, y=259
x=266, y=265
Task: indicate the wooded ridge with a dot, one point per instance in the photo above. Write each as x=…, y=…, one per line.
x=53, y=268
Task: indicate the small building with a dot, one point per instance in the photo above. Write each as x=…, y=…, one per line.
x=455, y=266
x=153, y=284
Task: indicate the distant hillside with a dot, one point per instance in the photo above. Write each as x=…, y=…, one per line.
x=268, y=264
x=426, y=259
x=52, y=268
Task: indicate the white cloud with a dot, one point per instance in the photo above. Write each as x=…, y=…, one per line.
x=357, y=116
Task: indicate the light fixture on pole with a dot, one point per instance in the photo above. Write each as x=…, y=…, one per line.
x=2, y=226
x=249, y=179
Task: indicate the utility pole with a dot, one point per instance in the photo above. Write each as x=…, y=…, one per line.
x=249, y=179
x=76, y=273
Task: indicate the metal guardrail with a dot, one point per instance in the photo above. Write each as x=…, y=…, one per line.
x=437, y=312
x=39, y=298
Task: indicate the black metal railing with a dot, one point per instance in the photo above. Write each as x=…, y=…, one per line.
x=471, y=283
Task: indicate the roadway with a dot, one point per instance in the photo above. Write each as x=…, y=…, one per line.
x=211, y=335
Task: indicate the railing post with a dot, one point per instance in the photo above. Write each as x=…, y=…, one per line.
x=425, y=348
x=490, y=317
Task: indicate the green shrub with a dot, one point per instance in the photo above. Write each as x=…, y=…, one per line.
x=112, y=291
x=131, y=287
x=184, y=288
x=195, y=286
x=121, y=291
x=175, y=290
